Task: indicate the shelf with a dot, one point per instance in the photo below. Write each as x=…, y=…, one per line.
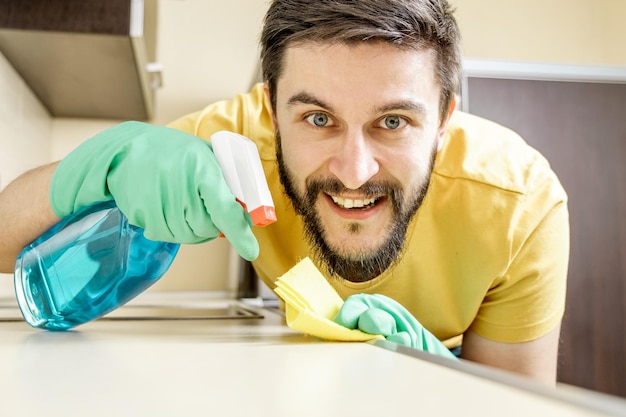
x=85, y=58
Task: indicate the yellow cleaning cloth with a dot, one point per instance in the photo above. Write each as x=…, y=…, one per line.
x=311, y=304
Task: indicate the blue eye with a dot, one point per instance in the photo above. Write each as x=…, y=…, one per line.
x=393, y=122
x=318, y=119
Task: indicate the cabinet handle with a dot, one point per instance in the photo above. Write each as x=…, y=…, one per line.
x=156, y=70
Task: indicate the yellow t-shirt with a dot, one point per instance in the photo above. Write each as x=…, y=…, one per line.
x=487, y=250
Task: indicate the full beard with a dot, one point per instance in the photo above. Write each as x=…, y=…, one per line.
x=363, y=265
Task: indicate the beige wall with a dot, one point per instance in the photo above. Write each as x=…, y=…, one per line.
x=208, y=49
x=24, y=135
x=24, y=126
x=589, y=32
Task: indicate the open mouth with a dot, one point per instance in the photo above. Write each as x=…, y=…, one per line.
x=355, y=204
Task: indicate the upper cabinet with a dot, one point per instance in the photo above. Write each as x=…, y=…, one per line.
x=85, y=58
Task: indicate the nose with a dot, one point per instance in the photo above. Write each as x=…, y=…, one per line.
x=353, y=161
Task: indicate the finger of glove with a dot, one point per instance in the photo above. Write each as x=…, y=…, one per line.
x=429, y=343
x=247, y=247
x=350, y=311
x=377, y=321
x=410, y=331
x=216, y=207
x=402, y=338
x=403, y=318
x=238, y=232
x=211, y=205
x=231, y=219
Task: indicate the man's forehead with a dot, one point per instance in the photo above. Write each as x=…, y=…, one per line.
x=314, y=73
x=302, y=56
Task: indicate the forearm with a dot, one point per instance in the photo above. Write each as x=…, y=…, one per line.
x=25, y=213
x=536, y=359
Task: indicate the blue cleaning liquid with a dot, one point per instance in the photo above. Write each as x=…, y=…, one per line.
x=86, y=266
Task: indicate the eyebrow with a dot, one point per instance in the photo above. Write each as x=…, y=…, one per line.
x=306, y=98
x=407, y=105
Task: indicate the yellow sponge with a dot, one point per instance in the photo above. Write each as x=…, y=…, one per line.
x=311, y=303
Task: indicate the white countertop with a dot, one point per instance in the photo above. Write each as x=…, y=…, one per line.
x=252, y=367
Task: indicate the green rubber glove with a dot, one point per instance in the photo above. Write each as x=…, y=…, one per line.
x=164, y=180
x=378, y=314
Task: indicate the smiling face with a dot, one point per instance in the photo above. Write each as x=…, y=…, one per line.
x=358, y=128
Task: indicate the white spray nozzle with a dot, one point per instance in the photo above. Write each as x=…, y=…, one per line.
x=239, y=159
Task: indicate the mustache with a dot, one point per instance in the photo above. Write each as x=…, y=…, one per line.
x=371, y=189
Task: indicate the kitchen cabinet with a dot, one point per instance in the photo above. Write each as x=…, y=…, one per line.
x=575, y=116
x=90, y=58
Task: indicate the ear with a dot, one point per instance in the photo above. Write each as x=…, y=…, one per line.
x=443, y=128
x=266, y=90
x=268, y=103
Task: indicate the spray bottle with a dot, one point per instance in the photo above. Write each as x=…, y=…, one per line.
x=94, y=261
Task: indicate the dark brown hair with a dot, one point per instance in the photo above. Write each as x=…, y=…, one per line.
x=416, y=24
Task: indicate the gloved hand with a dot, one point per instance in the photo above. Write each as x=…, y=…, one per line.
x=165, y=181
x=378, y=314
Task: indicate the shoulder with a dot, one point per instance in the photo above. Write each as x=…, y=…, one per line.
x=248, y=114
x=487, y=153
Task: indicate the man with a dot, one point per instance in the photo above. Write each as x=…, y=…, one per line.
x=374, y=175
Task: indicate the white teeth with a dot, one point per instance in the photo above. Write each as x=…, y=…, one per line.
x=351, y=203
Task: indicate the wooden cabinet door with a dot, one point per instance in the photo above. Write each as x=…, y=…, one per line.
x=581, y=128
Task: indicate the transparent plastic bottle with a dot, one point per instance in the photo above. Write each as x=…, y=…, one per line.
x=85, y=266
